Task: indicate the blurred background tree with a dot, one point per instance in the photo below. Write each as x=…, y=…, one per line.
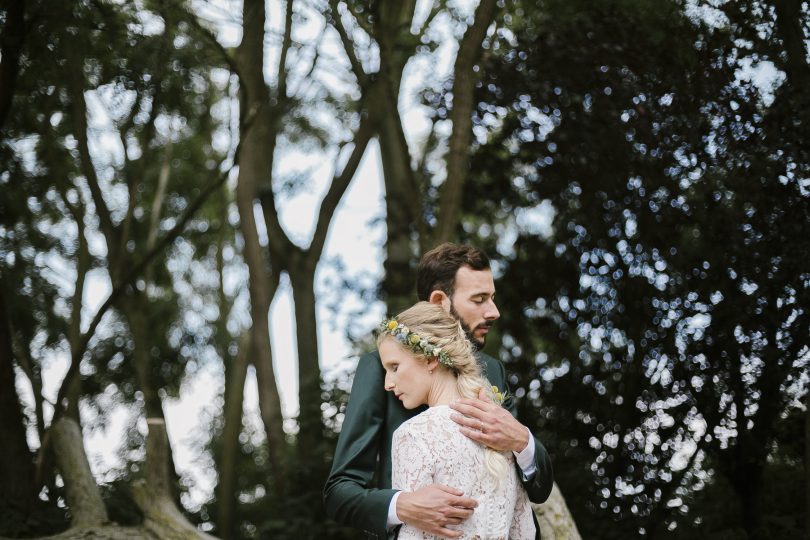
x=651, y=208
x=638, y=170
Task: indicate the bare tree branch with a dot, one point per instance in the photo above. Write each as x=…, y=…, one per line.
x=437, y=8
x=360, y=20
x=88, y=168
x=286, y=43
x=210, y=37
x=339, y=185
x=137, y=269
x=348, y=45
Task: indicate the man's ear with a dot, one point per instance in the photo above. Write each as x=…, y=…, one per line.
x=440, y=298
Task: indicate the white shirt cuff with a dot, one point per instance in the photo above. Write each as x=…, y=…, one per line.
x=393, y=519
x=524, y=458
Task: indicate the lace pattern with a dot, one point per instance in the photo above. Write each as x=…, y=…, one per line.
x=429, y=449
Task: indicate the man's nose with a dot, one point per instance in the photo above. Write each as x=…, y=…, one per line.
x=491, y=312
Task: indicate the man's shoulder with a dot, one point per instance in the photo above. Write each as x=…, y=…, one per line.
x=372, y=355
x=369, y=367
x=490, y=362
x=487, y=358
x=492, y=368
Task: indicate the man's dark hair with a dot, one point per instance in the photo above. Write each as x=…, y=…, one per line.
x=437, y=268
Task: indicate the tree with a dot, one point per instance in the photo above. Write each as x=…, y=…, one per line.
x=133, y=204
x=665, y=328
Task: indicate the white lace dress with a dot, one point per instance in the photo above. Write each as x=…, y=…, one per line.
x=429, y=449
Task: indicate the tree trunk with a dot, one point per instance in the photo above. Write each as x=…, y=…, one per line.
x=302, y=278
x=17, y=489
x=83, y=264
x=554, y=518
x=83, y=498
x=402, y=197
x=228, y=467
x=136, y=312
x=746, y=480
x=162, y=519
x=807, y=464
x=153, y=494
x=464, y=80
x=262, y=289
x=255, y=170
x=11, y=43
x=789, y=28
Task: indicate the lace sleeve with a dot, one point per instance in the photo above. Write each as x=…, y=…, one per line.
x=412, y=461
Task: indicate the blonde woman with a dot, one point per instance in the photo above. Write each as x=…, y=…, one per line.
x=429, y=361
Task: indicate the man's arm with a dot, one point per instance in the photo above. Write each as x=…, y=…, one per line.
x=348, y=497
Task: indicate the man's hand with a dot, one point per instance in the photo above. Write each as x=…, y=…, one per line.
x=490, y=424
x=435, y=507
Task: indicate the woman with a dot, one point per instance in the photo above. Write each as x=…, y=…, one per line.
x=429, y=361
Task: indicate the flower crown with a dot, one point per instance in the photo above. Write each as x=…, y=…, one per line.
x=418, y=344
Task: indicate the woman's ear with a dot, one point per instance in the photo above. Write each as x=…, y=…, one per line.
x=440, y=298
x=432, y=364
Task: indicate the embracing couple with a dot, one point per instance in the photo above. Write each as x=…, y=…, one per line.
x=429, y=447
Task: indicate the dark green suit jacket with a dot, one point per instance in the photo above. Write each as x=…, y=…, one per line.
x=358, y=490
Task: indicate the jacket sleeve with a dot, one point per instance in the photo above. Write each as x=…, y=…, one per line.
x=348, y=495
x=538, y=485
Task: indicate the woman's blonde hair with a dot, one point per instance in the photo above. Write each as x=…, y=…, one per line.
x=440, y=329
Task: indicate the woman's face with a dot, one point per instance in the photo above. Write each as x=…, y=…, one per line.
x=406, y=374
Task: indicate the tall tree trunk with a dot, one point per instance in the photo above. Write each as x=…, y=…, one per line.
x=83, y=498
x=255, y=169
x=464, y=80
x=11, y=42
x=162, y=517
x=746, y=480
x=807, y=464
x=228, y=467
x=262, y=286
x=83, y=261
x=136, y=311
x=17, y=489
x=398, y=281
x=302, y=279
x=403, y=196
x=789, y=29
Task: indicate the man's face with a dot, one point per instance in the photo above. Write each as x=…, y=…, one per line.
x=473, y=303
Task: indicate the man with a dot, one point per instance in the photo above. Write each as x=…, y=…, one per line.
x=358, y=491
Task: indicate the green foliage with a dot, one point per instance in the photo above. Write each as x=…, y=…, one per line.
x=656, y=321
x=114, y=97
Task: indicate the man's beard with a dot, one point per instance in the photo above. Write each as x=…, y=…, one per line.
x=477, y=345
